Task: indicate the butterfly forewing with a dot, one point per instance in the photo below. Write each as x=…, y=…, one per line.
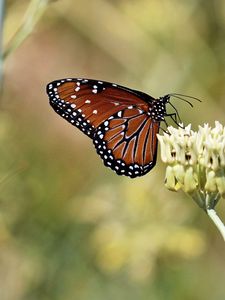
x=86, y=103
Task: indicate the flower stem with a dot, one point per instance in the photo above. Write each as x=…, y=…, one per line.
x=216, y=220
x=2, y=10
x=32, y=16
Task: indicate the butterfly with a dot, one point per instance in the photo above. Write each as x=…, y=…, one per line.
x=123, y=123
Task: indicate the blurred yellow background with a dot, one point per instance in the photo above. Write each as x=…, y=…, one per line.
x=69, y=227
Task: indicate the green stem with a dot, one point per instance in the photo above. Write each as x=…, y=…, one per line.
x=216, y=220
x=198, y=197
x=34, y=12
x=2, y=9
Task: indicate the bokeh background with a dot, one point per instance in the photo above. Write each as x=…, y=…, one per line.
x=69, y=227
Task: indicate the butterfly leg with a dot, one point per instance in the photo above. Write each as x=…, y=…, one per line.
x=176, y=119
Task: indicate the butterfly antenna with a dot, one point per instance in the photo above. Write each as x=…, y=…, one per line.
x=178, y=97
x=187, y=96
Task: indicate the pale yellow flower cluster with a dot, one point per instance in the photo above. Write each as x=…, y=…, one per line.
x=196, y=162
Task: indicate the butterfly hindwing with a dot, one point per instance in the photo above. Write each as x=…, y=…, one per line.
x=127, y=142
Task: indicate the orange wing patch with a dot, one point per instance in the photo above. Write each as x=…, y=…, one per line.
x=128, y=143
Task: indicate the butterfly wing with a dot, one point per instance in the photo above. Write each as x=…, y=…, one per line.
x=127, y=142
x=115, y=117
x=86, y=103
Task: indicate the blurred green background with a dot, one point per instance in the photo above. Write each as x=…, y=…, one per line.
x=69, y=227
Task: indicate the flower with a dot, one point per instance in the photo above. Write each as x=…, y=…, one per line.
x=195, y=162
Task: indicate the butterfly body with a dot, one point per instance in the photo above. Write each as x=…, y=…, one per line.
x=123, y=123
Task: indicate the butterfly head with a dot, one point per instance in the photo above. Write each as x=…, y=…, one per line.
x=165, y=99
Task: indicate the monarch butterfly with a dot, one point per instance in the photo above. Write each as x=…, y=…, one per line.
x=123, y=123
